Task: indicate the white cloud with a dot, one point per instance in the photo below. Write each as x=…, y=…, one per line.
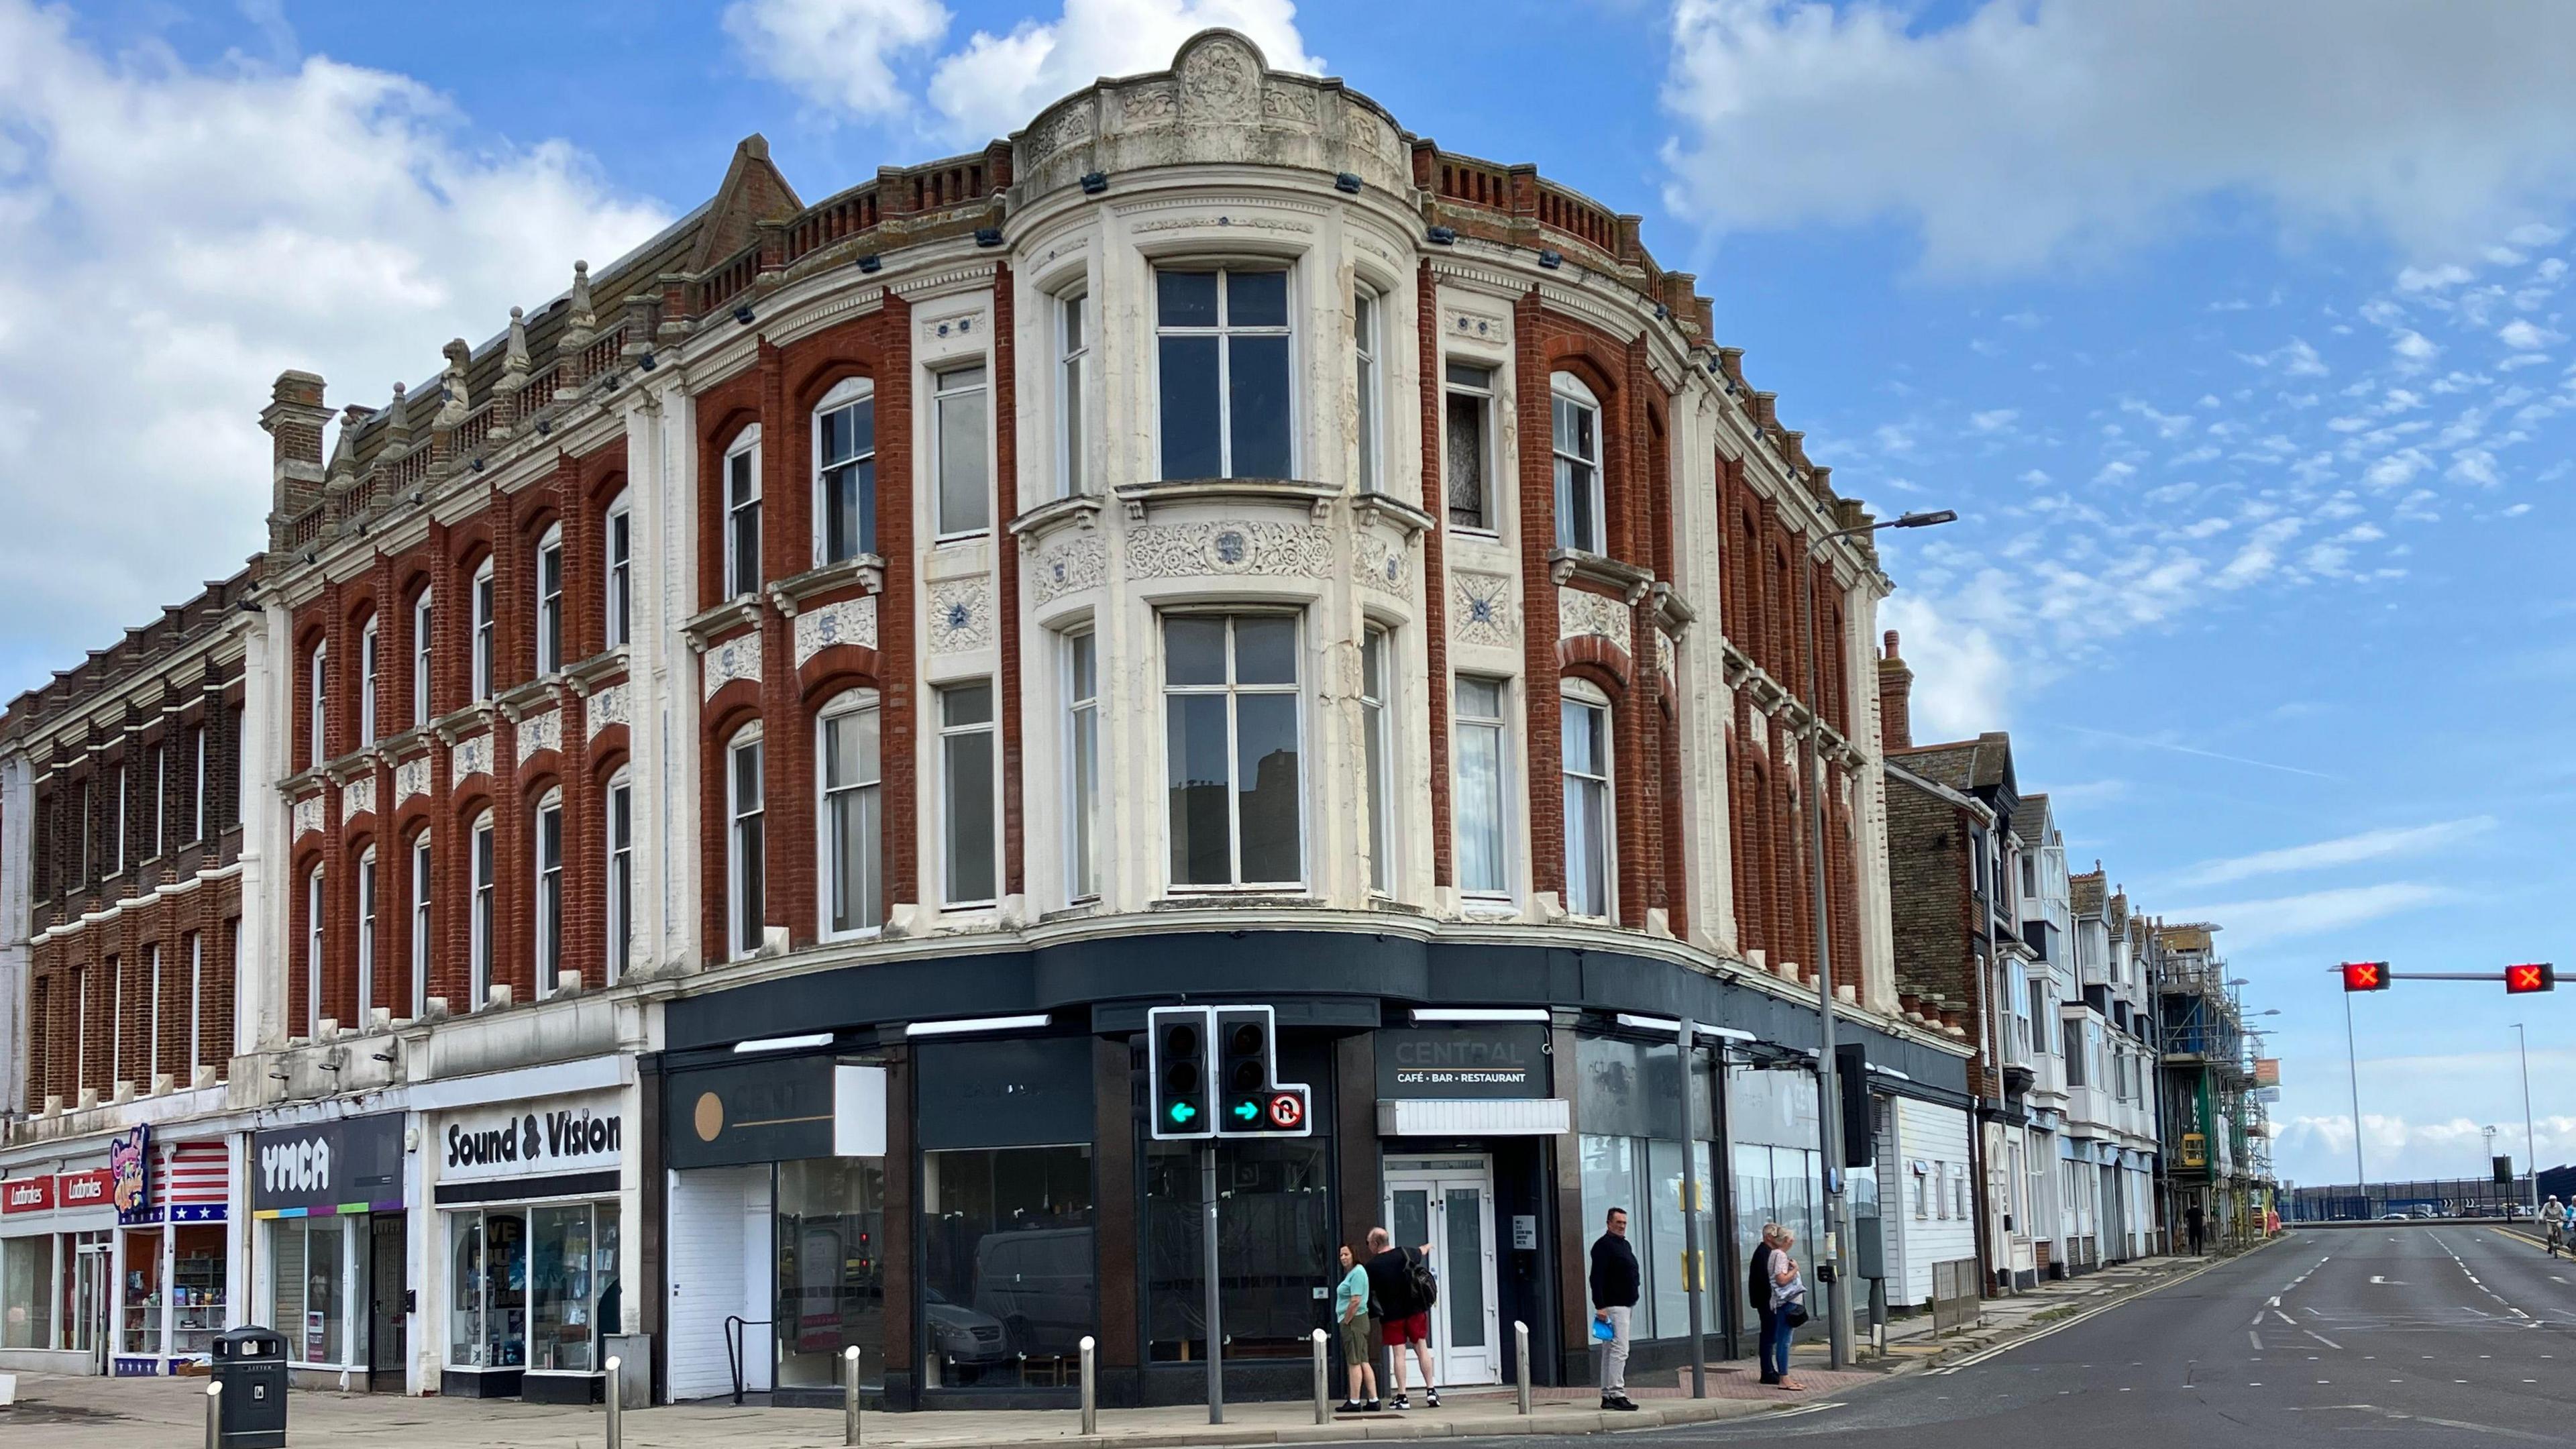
x=2343, y=850
x=2030, y=130
x=2520, y=335
x=837, y=54
x=865, y=58
x=1961, y=679
x=207, y=228
x=1994, y=421
x=2432, y=279
x=2316, y=912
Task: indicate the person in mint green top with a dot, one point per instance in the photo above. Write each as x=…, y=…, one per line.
x=1359, y=1338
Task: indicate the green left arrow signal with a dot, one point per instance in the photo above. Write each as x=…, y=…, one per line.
x=1182, y=1112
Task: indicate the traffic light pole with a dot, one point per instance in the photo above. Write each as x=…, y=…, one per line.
x=2352, y=1059
x=1207, y=1269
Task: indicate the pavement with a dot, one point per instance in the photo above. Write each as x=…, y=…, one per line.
x=63, y=1412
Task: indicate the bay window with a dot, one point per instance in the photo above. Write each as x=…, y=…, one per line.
x=742, y=515
x=1587, y=807
x=1072, y=362
x=845, y=473
x=966, y=793
x=549, y=855
x=1365, y=310
x=853, y=890
x=1082, y=765
x=1484, y=799
x=550, y=601
x=744, y=816
x=1576, y=433
x=1232, y=757
x=957, y=431
x=1222, y=346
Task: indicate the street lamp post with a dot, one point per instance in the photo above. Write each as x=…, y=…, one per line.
x=1829, y=1129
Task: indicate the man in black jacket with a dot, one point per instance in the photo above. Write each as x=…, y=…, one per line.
x=1614, y=1293
x=1757, y=1289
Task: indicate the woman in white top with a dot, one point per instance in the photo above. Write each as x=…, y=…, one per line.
x=1788, y=1291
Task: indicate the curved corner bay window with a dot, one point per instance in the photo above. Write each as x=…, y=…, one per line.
x=845, y=473
x=1365, y=308
x=1007, y=1266
x=1577, y=428
x=1232, y=749
x=853, y=898
x=1587, y=808
x=831, y=1270
x=1073, y=360
x=533, y=1287
x=1275, y=1238
x=1222, y=348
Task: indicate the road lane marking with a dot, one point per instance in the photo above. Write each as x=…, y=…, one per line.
x=2321, y=1338
x=2257, y=1338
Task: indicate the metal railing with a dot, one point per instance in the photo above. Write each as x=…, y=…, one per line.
x=734, y=1327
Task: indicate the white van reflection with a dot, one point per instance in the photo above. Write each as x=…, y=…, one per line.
x=1038, y=1284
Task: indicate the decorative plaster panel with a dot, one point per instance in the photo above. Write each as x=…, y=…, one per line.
x=850, y=621
x=541, y=732
x=357, y=798
x=1077, y=563
x=1385, y=567
x=961, y=616
x=411, y=778
x=469, y=756
x=308, y=815
x=1580, y=612
x=611, y=706
x=1480, y=610
x=1194, y=550
x=734, y=659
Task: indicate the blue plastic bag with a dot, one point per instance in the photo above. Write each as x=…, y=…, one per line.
x=1602, y=1332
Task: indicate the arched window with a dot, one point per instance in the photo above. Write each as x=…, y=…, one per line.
x=744, y=798
x=845, y=473
x=367, y=683
x=742, y=514
x=479, y=943
x=618, y=625
x=1073, y=368
x=483, y=602
x=366, y=936
x=621, y=874
x=846, y=738
x=550, y=600
x=1577, y=445
x=547, y=851
x=1589, y=848
x=317, y=670
x=421, y=638
x=313, y=953
x=420, y=924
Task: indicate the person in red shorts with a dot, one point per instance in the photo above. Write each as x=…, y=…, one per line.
x=1406, y=1322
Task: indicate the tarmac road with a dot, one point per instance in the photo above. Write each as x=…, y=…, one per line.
x=2427, y=1334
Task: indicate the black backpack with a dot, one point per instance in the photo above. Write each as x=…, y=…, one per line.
x=1421, y=1284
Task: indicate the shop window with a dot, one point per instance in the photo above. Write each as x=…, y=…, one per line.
x=1222, y=342
x=574, y=1295
x=845, y=473
x=853, y=825
x=1232, y=749
x=958, y=408
x=487, y=1301
x=138, y=1318
x=1587, y=808
x=27, y=1291
x=1275, y=1236
x=1468, y=416
x=1484, y=798
x=1008, y=1261
x=1576, y=418
x=831, y=1277
x=1632, y=1093
x=967, y=794
x=309, y=1257
x=197, y=1286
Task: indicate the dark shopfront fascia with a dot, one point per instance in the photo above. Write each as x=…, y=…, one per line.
x=989, y=1132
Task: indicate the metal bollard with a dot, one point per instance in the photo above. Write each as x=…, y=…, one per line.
x=215, y=1416
x=1090, y=1385
x=616, y=1403
x=1521, y=1363
x=850, y=1394
x=1323, y=1409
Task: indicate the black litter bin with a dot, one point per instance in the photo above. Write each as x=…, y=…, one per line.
x=251, y=1365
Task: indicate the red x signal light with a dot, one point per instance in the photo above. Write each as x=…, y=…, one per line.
x=2529, y=977
x=2365, y=976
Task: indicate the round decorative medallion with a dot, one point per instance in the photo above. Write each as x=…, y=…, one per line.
x=709, y=1117
x=1229, y=547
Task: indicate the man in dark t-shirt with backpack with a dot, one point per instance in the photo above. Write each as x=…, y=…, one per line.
x=1397, y=1303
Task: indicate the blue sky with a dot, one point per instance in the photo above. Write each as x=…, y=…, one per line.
x=2240, y=336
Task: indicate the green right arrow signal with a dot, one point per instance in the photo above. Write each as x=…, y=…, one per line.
x=1247, y=1110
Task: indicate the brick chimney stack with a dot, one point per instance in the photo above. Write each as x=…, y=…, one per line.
x=1895, y=699
x=293, y=421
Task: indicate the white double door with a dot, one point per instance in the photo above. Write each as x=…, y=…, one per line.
x=1448, y=1202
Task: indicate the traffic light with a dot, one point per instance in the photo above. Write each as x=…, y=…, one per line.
x=2365, y=976
x=1243, y=1067
x=2529, y=977
x=2504, y=1172
x=1178, y=1064
x=1851, y=1080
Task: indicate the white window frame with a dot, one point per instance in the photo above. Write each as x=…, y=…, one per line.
x=424, y=636
x=366, y=884
x=1368, y=310
x=1081, y=765
x=990, y=727
x=745, y=452
x=160, y=799
x=115, y=1019
x=617, y=546
x=848, y=393
x=482, y=866
x=1073, y=336
x=317, y=697
x=313, y=896
x=422, y=924
x=1377, y=752
x=1232, y=691
x=1224, y=332
x=152, y=1034
x=1486, y=393
x=1606, y=781
x=945, y=390
x=124, y=822
x=80, y=1037
x=745, y=918
x=1565, y=387
x=550, y=601
x=1498, y=728
x=367, y=683
x=827, y=835
x=546, y=897
x=196, y=1005
x=485, y=663
x=201, y=781
x=616, y=820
